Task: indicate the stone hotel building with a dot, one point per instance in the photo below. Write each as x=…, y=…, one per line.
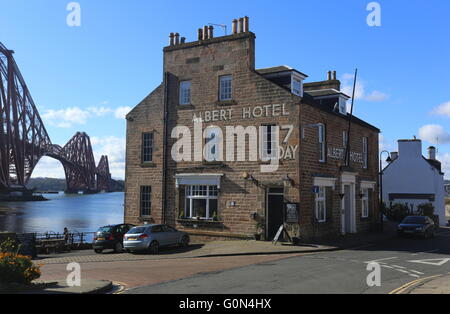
x=223, y=150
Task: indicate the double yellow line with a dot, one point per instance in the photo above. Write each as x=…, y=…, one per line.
x=416, y=282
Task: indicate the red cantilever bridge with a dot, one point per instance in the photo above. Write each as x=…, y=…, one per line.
x=24, y=140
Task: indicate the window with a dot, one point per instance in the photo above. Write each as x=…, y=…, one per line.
x=365, y=203
x=322, y=143
x=342, y=106
x=225, y=89
x=146, y=200
x=213, y=144
x=297, y=85
x=321, y=215
x=185, y=93
x=269, y=142
x=147, y=147
x=201, y=201
x=365, y=142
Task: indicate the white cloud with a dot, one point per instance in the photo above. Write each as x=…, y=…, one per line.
x=68, y=117
x=121, y=112
x=360, y=89
x=49, y=168
x=442, y=110
x=434, y=134
x=114, y=148
x=65, y=118
x=445, y=160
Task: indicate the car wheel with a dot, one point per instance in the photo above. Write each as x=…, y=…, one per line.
x=184, y=241
x=154, y=247
x=118, y=248
x=98, y=251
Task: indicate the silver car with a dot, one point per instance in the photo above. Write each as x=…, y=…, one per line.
x=151, y=237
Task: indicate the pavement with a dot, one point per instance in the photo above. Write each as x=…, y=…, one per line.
x=88, y=286
x=222, y=249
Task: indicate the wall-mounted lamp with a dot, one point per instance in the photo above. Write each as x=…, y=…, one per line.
x=288, y=182
x=249, y=177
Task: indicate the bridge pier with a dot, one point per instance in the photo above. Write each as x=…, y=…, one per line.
x=19, y=194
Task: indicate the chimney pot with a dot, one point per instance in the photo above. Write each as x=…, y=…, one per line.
x=205, y=32
x=172, y=39
x=246, y=24
x=432, y=153
x=241, y=25
x=200, y=34
x=183, y=40
x=334, y=75
x=177, y=39
x=235, y=26
x=211, y=32
x=329, y=76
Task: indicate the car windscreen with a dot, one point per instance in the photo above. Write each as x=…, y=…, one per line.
x=105, y=229
x=137, y=230
x=414, y=220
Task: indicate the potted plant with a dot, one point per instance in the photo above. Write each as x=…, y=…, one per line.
x=260, y=228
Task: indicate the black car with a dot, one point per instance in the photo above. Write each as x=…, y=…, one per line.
x=417, y=225
x=110, y=237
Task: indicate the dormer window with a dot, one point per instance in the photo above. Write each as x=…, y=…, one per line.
x=297, y=84
x=342, y=105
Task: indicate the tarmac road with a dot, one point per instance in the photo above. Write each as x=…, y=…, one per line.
x=402, y=260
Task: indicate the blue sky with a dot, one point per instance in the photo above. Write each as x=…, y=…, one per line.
x=84, y=78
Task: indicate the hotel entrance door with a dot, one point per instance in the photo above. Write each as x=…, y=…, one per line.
x=275, y=206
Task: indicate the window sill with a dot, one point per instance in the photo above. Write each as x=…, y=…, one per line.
x=194, y=223
x=213, y=163
x=148, y=165
x=185, y=107
x=226, y=103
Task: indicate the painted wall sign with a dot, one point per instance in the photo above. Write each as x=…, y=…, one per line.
x=339, y=154
x=275, y=110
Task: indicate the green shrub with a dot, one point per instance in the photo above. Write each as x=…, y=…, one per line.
x=426, y=209
x=397, y=212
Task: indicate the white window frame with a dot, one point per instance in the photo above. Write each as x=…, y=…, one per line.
x=365, y=144
x=299, y=80
x=185, y=92
x=225, y=87
x=342, y=106
x=272, y=140
x=201, y=192
x=322, y=143
x=365, y=202
x=321, y=198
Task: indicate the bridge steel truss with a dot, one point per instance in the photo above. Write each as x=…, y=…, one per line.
x=24, y=139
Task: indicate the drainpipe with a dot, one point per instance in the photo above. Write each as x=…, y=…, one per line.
x=165, y=144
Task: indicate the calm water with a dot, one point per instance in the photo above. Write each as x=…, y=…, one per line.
x=79, y=213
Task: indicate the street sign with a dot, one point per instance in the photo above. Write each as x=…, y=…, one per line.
x=434, y=262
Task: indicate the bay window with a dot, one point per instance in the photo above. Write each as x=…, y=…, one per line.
x=201, y=201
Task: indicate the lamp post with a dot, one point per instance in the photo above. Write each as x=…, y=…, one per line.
x=381, y=184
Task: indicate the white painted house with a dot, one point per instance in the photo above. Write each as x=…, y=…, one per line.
x=413, y=179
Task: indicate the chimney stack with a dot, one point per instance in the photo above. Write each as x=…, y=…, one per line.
x=200, y=34
x=172, y=39
x=177, y=38
x=432, y=153
x=235, y=26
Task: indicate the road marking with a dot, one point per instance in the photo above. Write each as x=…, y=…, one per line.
x=399, y=266
x=403, y=288
x=431, y=251
x=379, y=260
x=417, y=272
x=415, y=276
x=434, y=262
